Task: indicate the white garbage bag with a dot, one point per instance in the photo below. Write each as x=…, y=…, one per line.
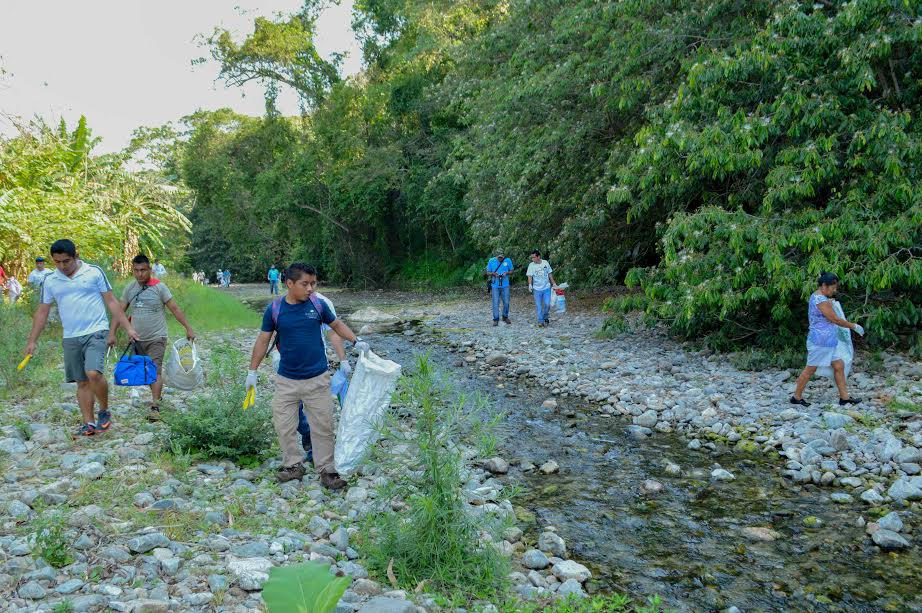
x=183, y=367
x=368, y=399
x=845, y=350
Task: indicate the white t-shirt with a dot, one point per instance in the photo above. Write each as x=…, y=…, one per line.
x=539, y=274
x=79, y=299
x=159, y=270
x=37, y=276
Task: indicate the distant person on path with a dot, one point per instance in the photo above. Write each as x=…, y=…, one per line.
x=148, y=298
x=540, y=281
x=227, y=277
x=219, y=277
x=823, y=341
x=203, y=279
x=38, y=274
x=35, y=280
x=302, y=376
x=273, y=278
x=82, y=293
x=159, y=269
x=498, y=269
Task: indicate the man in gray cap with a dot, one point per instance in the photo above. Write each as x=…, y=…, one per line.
x=498, y=270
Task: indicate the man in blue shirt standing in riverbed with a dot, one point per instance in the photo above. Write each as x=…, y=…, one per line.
x=498, y=269
x=302, y=375
x=273, y=278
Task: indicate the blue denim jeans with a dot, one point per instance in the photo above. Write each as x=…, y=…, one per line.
x=500, y=293
x=542, y=304
x=304, y=429
x=273, y=287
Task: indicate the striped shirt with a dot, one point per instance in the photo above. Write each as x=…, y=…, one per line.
x=79, y=299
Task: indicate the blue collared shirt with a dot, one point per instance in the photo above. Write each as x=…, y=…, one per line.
x=494, y=265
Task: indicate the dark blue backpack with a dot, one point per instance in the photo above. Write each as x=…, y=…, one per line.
x=132, y=370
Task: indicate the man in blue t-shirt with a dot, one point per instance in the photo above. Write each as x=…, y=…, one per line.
x=498, y=269
x=273, y=278
x=302, y=375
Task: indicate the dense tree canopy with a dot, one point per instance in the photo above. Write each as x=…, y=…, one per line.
x=723, y=152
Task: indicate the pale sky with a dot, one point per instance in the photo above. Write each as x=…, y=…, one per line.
x=127, y=63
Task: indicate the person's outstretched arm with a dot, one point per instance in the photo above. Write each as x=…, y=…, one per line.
x=180, y=317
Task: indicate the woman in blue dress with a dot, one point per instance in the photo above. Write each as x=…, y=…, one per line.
x=823, y=339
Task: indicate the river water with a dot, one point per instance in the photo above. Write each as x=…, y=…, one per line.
x=686, y=542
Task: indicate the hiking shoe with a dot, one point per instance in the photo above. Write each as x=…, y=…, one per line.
x=332, y=481
x=290, y=473
x=103, y=421
x=495, y=322
x=506, y=320
x=850, y=400
x=799, y=401
x=154, y=413
x=87, y=429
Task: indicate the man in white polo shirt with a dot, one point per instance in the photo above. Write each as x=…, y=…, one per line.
x=82, y=293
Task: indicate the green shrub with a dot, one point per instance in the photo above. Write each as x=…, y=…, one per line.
x=436, y=540
x=214, y=423
x=50, y=541
x=303, y=588
x=762, y=188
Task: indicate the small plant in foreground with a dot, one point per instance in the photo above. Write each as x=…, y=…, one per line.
x=303, y=588
x=51, y=542
x=65, y=606
x=214, y=424
x=436, y=540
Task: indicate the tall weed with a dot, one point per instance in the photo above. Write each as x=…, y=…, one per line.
x=436, y=540
x=214, y=424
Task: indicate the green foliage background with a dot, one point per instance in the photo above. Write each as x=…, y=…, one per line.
x=52, y=186
x=715, y=155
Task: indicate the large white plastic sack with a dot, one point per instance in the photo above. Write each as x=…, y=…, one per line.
x=183, y=368
x=368, y=399
x=845, y=350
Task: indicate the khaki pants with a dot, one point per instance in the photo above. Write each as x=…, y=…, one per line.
x=318, y=406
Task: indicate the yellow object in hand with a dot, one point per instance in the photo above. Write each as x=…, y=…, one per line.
x=250, y=399
x=25, y=361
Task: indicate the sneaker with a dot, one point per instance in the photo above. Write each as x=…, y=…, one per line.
x=799, y=401
x=547, y=322
x=850, y=400
x=154, y=413
x=495, y=322
x=506, y=320
x=103, y=421
x=87, y=429
x=290, y=473
x=332, y=481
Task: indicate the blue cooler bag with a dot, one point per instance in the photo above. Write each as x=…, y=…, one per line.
x=132, y=370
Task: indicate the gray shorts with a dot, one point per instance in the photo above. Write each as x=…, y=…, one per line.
x=154, y=349
x=84, y=353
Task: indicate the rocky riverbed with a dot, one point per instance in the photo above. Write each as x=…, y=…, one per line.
x=647, y=468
